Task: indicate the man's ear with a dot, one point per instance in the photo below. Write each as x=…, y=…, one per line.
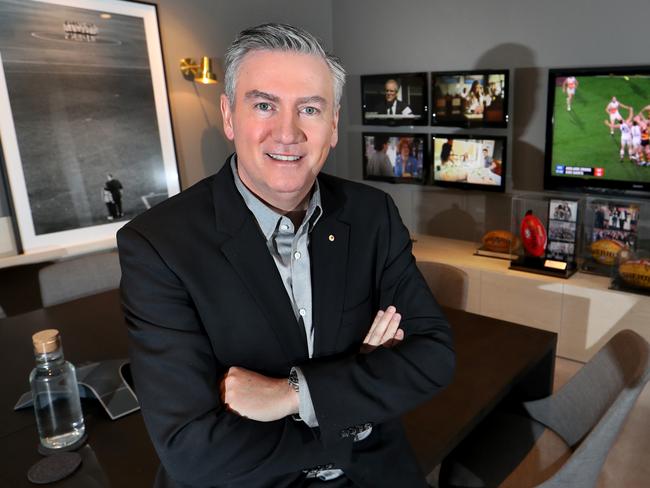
x=335, y=127
x=226, y=113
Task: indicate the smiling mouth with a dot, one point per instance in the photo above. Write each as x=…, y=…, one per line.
x=283, y=157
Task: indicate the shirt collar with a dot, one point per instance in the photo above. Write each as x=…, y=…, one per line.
x=267, y=218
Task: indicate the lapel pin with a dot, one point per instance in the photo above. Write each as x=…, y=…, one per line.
x=331, y=237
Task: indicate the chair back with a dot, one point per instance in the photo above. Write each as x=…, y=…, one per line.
x=590, y=410
x=78, y=277
x=447, y=283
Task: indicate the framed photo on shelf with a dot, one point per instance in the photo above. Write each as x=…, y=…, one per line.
x=393, y=157
x=84, y=117
x=562, y=230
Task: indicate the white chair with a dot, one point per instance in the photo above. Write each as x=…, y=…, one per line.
x=78, y=277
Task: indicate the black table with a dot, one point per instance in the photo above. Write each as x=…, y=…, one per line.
x=494, y=359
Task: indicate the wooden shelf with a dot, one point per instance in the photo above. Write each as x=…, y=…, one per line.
x=582, y=309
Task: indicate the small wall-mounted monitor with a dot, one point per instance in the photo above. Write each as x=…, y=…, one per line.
x=400, y=158
x=395, y=99
x=598, y=129
x=469, y=162
x=470, y=98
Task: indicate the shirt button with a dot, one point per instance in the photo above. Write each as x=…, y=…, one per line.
x=284, y=227
x=297, y=254
x=302, y=312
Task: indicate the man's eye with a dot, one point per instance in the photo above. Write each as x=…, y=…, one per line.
x=310, y=111
x=263, y=106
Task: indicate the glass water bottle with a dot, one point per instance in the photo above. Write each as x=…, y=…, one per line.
x=55, y=394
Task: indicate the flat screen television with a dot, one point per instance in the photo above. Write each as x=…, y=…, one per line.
x=469, y=162
x=399, y=158
x=597, y=130
x=470, y=98
x=395, y=99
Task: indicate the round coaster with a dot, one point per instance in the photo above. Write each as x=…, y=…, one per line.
x=45, y=451
x=54, y=468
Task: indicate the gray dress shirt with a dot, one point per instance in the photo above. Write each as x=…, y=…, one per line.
x=289, y=248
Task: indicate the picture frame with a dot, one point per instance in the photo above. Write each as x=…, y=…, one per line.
x=85, y=123
x=562, y=230
x=395, y=157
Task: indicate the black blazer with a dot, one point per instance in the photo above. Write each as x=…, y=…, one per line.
x=383, y=106
x=201, y=293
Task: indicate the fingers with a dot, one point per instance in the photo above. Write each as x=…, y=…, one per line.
x=384, y=330
x=399, y=337
x=380, y=325
x=391, y=328
x=373, y=327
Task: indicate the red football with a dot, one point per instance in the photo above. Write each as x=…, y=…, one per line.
x=533, y=235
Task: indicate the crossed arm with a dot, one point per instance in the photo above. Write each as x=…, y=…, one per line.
x=265, y=399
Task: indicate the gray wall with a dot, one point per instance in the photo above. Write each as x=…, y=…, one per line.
x=527, y=36
x=198, y=28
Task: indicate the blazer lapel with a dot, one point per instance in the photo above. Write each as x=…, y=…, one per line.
x=329, y=255
x=247, y=252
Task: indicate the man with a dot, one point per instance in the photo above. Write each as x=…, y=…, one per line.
x=625, y=126
x=278, y=324
x=391, y=105
x=612, y=109
x=378, y=162
x=114, y=187
x=569, y=87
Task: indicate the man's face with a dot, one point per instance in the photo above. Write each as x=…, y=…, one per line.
x=390, y=89
x=283, y=124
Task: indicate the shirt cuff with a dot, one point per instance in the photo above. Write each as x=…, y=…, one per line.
x=305, y=405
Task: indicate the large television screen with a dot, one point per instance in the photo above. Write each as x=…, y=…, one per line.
x=395, y=99
x=394, y=157
x=598, y=124
x=470, y=98
x=469, y=162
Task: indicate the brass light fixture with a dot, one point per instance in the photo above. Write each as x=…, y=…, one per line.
x=201, y=73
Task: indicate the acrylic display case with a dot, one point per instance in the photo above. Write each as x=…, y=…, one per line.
x=611, y=226
x=548, y=228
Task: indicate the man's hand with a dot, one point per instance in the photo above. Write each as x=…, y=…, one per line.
x=384, y=331
x=258, y=397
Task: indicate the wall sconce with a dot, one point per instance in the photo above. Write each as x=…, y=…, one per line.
x=201, y=73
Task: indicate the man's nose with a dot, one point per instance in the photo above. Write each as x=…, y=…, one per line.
x=288, y=130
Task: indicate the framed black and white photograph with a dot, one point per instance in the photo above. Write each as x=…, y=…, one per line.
x=84, y=117
x=563, y=210
x=562, y=230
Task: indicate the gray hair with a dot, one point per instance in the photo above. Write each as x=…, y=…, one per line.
x=278, y=37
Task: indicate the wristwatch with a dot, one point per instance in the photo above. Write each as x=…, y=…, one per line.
x=293, y=380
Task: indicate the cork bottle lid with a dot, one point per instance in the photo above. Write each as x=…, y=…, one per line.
x=46, y=341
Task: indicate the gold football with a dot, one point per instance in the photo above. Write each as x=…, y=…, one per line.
x=500, y=241
x=636, y=273
x=605, y=250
